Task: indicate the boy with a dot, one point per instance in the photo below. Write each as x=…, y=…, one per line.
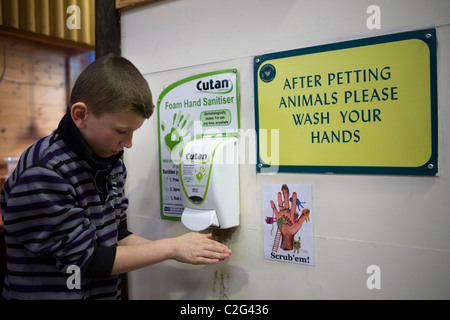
x=63, y=207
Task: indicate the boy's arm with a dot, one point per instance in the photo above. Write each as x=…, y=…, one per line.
x=136, y=252
x=133, y=240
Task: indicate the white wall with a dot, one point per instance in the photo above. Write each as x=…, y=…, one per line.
x=400, y=223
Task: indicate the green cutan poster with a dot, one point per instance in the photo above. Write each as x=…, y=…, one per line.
x=198, y=106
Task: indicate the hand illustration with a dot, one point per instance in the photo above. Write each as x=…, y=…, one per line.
x=178, y=132
x=200, y=174
x=288, y=221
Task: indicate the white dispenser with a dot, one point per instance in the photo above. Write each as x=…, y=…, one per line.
x=209, y=178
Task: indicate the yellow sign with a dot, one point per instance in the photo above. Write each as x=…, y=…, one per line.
x=365, y=106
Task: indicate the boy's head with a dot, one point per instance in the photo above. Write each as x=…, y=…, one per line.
x=111, y=84
x=109, y=102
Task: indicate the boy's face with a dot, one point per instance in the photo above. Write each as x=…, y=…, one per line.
x=107, y=134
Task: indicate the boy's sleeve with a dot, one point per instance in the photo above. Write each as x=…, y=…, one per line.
x=102, y=260
x=43, y=215
x=123, y=227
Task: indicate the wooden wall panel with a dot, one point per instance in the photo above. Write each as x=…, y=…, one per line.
x=49, y=18
x=27, y=17
x=57, y=20
x=43, y=17
x=10, y=13
x=33, y=94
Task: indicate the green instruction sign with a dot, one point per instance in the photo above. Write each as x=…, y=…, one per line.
x=202, y=105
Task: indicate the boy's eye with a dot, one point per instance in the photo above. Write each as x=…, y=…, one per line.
x=120, y=131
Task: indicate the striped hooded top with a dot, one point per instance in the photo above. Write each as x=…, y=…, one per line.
x=63, y=210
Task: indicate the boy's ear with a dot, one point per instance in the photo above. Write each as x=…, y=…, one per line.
x=79, y=113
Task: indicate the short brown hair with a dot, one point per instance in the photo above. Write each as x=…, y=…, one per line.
x=110, y=84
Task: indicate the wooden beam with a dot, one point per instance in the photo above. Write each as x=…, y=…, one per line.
x=72, y=47
x=107, y=28
x=130, y=3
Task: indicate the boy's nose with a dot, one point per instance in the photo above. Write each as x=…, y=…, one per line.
x=127, y=143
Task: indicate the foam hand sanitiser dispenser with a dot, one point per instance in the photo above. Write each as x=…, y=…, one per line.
x=209, y=178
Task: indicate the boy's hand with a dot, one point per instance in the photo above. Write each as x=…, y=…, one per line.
x=196, y=248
